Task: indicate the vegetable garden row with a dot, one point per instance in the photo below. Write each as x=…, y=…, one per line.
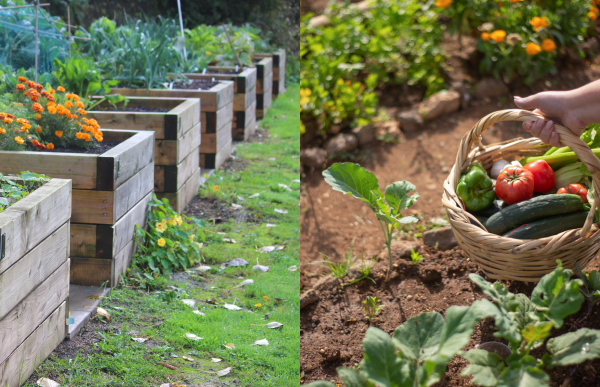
x=133, y=112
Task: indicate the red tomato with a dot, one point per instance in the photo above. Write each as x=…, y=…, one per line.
x=575, y=189
x=543, y=175
x=514, y=184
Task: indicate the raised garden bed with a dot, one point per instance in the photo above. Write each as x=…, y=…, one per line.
x=264, y=84
x=110, y=192
x=215, y=117
x=278, y=70
x=244, y=97
x=177, y=140
x=33, y=303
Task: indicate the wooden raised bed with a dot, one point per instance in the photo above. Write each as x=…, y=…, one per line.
x=110, y=193
x=34, y=279
x=278, y=70
x=176, y=145
x=216, y=105
x=244, y=97
x=264, y=84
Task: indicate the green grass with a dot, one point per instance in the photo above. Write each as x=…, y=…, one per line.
x=116, y=360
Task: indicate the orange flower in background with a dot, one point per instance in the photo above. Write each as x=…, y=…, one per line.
x=39, y=87
x=51, y=91
x=2, y=131
x=38, y=129
x=21, y=87
x=50, y=98
x=443, y=3
x=485, y=36
x=216, y=187
x=82, y=112
x=539, y=22
x=58, y=133
x=37, y=108
x=69, y=104
x=83, y=136
x=38, y=116
x=592, y=16
x=8, y=120
x=30, y=84
x=19, y=140
x=548, y=45
x=22, y=79
x=79, y=104
x=515, y=1
x=52, y=109
x=98, y=137
x=532, y=48
x=50, y=146
x=498, y=35
x=75, y=97
x=61, y=89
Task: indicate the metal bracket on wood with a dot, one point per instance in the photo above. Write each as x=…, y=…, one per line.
x=2, y=245
x=117, y=171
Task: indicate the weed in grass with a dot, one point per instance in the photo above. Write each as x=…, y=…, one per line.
x=372, y=307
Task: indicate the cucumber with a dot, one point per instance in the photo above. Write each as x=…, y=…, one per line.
x=491, y=210
x=481, y=219
x=549, y=226
x=529, y=210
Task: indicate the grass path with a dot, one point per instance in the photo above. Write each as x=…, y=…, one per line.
x=107, y=355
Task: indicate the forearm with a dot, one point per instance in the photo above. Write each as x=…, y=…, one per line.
x=583, y=104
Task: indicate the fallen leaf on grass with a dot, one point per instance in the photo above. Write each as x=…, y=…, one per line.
x=139, y=339
x=167, y=366
x=253, y=195
x=280, y=211
x=224, y=372
x=187, y=358
x=230, y=240
x=274, y=324
x=268, y=249
x=201, y=268
x=192, y=336
x=271, y=225
x=199, y=313
x=237, y=262
x=190, y=303
x=241, y=199
x=221, y=233
x=215, y=359
x=44, y=382
x=293, y=268
x=272, y=159
x=92, y=298
x=173, y=385
x=261, y=342
x=231, y=307
x=284, y=186
x=296, y=180
x=103, y=313
x=236, y=206
x=246, y=282
x=118, y=307
x=229, y=346
x=262, y=268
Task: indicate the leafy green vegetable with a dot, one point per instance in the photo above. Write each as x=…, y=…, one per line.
x=15, y=187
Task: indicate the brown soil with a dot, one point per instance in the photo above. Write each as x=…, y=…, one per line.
x=214, y=211
x=139, y=108
x=196, y=84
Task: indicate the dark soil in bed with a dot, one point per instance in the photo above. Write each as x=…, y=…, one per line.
x=333, y=328
x=139, y=108
x=102, y=147
x=232, y=72
x=196, y=84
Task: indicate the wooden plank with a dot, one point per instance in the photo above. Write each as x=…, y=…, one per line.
x=210, y=100
x=241, y=102
x=106, y=207
x=264, y=67
x=172, y=152
x=264, y=84
x=31, y=270
x=33, y=310
x=215, y=160
x=119, y=164
x=244, y=80
x=178, y=200
x=244, y=133
x=105, y=241
x=211, y=121
x=242, y=119
x=213, y=142
x=121, y=262
x=172, y=178
x=35, y=349
x=30, y=220
x=91, y=271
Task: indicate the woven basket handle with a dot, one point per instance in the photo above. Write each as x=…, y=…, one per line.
x=581, y=149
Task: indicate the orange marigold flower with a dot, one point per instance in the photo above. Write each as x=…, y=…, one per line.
x=58, y=133
x=548, y=45
x=485, y=36
x=61, y=89
x=79, y=104
x=38, y=129
x=37, y=108
x=39, y=87
x=21, y=87
x=498, y=35
x=75, y=97
x=12, y=116
x=52, y=109
x=98, y=137
x=22, y=79
x=69, y=104
x=216, y=187
x=539, y=22
x=515, y=1
x=50, y=146
x=51, y=91
x=69, y=116
x=82, y=112
x=2, y=131
x=50, y=98
x=38, y=116
x=592, y=16
x=30, y=84
x=532, y=48
x=594, y=9
x=8, y=120
x=19, y=140
x=443, y=3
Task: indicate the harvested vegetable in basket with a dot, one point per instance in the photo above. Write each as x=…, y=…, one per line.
x=475, y=188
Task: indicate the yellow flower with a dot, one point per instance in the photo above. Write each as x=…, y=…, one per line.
x=191, y=237
x=539, y=22
x=498, y=36
x=161, y=242
x=19, y=140
x=179, y=220
x=532, y=48
x=172, y=222
x=164, y=223
x=548, y=45
x=443, y=3
x=266, y=298
x=258, y=305
x=160, y=227
x=485, y=36
x=305, y=96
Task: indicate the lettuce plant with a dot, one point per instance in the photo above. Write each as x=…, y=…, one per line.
x=354, y=180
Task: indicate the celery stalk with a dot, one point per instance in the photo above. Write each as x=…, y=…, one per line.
x=557, y=161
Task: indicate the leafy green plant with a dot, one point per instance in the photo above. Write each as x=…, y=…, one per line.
x=354, y=180
x=169, y=243
x=339, y=270
x=80, y=76
x=416, y=354
x=171, y=295
x=415, y=256
x=591, y=287
x=526, y=324
x=364, y=269
x=372, y=307
x=16, y=187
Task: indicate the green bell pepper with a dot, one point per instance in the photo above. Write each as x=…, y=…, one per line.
x=475, y=188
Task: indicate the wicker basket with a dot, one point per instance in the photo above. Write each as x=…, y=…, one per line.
x=515, y=259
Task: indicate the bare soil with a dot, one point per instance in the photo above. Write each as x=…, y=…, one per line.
x=139, y=108
x=196, y=84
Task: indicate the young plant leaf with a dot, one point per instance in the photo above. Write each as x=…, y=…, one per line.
x=320, y=383
x=574, y=347
x=352, y=179
x=556, y=297
x=484, y=366
x=380, y=360
x=506, y=329
x=497, y=292
x=419, y=337
x=457, y=330
x=524, y=373
x=396, y=195
x=352, y=377
x=536, y=333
